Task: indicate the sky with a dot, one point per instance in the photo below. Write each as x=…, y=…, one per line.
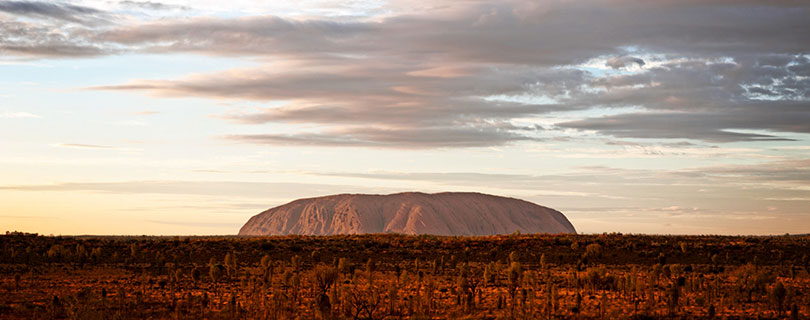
x=168, y=117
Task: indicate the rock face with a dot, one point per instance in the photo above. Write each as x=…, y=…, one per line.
x=449, y=213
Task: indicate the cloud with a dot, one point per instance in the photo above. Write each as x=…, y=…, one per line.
x=206, y=188
x=368, y=106
x=408, y=138
x=624, y=61
x=150, y=5
x=250, y=36
x=475, y=32
x=82, y=146
x=56, y=10
x=787, y=171
x=52, y=10
x=455, y=68
x=548, y=34
x=713, y=127
x=13, y=115
x=702, y=99
x=28, y=40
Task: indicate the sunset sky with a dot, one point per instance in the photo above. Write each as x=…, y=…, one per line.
x=180, y=117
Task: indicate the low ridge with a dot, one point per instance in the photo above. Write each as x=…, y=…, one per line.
x=447, y=213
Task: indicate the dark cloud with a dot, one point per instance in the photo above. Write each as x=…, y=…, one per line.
x=452, y=113
x=408, y=138
x=800, y=66
x=703, y=99
x=715, y=127
x=53, y=10
x=51, y=50
x=257, y=36
x=48, y=39
x=150, y=5
x=416, y=108
x=515, y=32
x=624, y=61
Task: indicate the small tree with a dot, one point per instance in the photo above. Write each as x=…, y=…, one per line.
x=178, y=275
x=325, y=277
x=295, y=261
x=364, y=303
x=230, y=263
x=593, y=250
x=215, y=272
x=265, y=262
x=513, y=257
x=195, y=274
x=489, y=274
x=515, y=275
x=342, y=265
x=370, y=271
x=543, y=262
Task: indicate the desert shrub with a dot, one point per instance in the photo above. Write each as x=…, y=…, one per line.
x=195, y=274
x=216, y=271
x=325, y=277
x=513, y=257
x=489, y=274
x=593, y=250
x=543, y=262
x=57, y=252
x=342, y=265
x=295, y=262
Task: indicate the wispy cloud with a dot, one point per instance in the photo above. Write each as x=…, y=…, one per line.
x=82, y=146
x=209, y=188
x=408, y=138
x=152, y=5
x=12, y=115
x=52, y=10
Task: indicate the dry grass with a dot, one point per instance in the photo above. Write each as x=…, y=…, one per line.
x=404, y=277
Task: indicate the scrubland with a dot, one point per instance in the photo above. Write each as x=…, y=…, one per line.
x=388, y=276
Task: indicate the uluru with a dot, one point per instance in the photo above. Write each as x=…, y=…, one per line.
x=447, y=213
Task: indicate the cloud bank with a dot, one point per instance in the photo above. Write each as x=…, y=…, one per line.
x=468, y=74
